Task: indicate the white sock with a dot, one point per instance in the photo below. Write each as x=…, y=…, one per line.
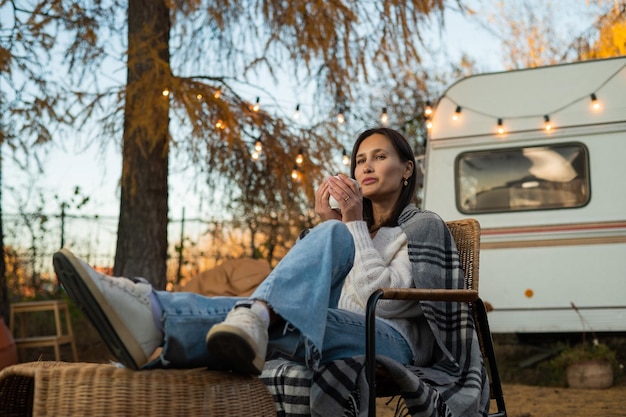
x=262, y=311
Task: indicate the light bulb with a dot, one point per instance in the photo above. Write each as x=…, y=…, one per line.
x=296, y=115
x=384, y=118
x=428, y=110
x=199, y=96
x=546, y=123
x=165, y=92
x=457, y=113
x=595, y=103
x=500, y=127
x=299, y=157
x=429, y=124
x=340, y=118
x=257, y=105
x=220, y=124
x=218, y=93
x=345, y=159
x=258, y=146
x=294, y=173
x=255, y=155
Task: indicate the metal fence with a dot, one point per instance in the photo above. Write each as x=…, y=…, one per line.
x=30, y=240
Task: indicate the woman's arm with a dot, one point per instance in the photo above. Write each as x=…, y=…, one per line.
x=384, y=265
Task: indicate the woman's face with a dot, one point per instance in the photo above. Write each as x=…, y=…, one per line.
x=379, y=170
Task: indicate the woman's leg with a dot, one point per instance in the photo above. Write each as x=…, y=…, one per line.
x=300, y=290
x=134, y=320
x=186, y=319
x=344, y=338
x=118, y=308
x=308, y=281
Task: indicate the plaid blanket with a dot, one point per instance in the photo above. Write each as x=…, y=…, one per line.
x=459, y=376
x=340, y=389
x=455, y=385
x=334, y=390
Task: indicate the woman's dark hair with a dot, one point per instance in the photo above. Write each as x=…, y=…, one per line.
x=402, y=147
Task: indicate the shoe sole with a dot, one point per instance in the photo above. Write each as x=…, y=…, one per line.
x=84, y=293
x=233, y=347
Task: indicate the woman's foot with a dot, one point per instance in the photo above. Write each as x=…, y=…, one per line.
x=240, y=341
x=119, y=308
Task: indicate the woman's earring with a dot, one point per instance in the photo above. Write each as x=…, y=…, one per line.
x=406, y=182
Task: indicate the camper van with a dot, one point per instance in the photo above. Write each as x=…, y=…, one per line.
x=538, y=157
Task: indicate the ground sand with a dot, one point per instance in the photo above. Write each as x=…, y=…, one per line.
x=532, y=401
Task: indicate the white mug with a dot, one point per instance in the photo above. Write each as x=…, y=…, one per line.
x=333, y=203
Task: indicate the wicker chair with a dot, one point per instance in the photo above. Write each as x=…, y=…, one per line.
x=87, y=389
x=466, y=234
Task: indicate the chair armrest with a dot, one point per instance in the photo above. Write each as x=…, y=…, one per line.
x=436, y=294
x=415, y=294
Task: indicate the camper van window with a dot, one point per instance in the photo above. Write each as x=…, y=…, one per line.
x=531, y=178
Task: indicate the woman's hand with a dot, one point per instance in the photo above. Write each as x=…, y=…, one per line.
x=348, y=196
x=322, y=207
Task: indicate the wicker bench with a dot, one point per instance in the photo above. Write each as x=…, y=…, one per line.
x=87, y=389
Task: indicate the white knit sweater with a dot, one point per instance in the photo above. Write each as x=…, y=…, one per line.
x=384, y=262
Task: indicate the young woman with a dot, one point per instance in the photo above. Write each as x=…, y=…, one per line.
x=310, y=307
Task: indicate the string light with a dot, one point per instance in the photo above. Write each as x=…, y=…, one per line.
x=340, y=117
x=345, y=159
x=384, y=118
x=199, y=96
x=548, y=126
x=295, y=174
x=457, y=113
x=165, y=92
x=258, y=147
x=595, y=104
x=500, y=127
x=546, y=123
x=428, y=110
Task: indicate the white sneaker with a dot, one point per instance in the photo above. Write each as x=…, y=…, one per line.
x=119, y=308
x=240, y=341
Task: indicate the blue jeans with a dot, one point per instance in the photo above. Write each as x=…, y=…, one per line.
x=304, y=290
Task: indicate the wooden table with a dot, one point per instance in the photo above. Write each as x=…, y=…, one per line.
x=60, y=337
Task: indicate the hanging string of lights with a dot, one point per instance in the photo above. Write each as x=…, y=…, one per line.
x=547, y=124
x=544, y=120
x=299, y=159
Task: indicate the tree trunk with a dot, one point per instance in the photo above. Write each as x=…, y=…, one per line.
x=142, y=229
